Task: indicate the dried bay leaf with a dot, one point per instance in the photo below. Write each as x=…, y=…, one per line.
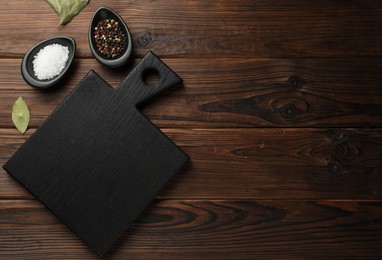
x=67, y=9
x=20, y=115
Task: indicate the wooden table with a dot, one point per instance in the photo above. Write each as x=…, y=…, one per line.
x=280, y=113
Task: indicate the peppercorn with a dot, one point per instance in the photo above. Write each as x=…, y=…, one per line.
x=109, y=38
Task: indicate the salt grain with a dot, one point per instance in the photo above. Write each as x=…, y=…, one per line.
x=50, y=61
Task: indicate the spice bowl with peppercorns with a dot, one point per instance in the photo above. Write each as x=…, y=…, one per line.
x=109, y=38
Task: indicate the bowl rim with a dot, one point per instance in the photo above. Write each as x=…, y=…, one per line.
x=113, y=63
x=46, y=83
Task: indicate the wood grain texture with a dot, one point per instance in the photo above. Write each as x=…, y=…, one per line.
x=208, y=229
x=261, y=163
x=234, y=92
x=297, y=28
x=280, y=113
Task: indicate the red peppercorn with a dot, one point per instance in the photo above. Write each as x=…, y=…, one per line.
x=109, y=38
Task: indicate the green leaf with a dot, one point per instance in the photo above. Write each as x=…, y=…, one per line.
x=67, y=9
x=20, y=115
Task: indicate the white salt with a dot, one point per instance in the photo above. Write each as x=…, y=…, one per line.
x=50, y=61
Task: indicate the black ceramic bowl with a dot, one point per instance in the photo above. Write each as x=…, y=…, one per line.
x=27, y=70
x=107, y=13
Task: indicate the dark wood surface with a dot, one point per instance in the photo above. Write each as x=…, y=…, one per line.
x=280, y=113
x=109, y=161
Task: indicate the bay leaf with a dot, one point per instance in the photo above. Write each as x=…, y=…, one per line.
x=20, y=115
x=67, y=9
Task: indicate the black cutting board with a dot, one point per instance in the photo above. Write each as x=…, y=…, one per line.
x=96, y=162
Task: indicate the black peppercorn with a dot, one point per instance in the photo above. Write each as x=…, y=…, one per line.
x=109, y=38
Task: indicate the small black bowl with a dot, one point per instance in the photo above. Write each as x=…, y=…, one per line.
x=27, y=70
x=107, y=13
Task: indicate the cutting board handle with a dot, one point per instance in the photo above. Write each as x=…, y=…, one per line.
x=134, y=88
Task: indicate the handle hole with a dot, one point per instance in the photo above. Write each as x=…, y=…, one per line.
x=150, y=77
